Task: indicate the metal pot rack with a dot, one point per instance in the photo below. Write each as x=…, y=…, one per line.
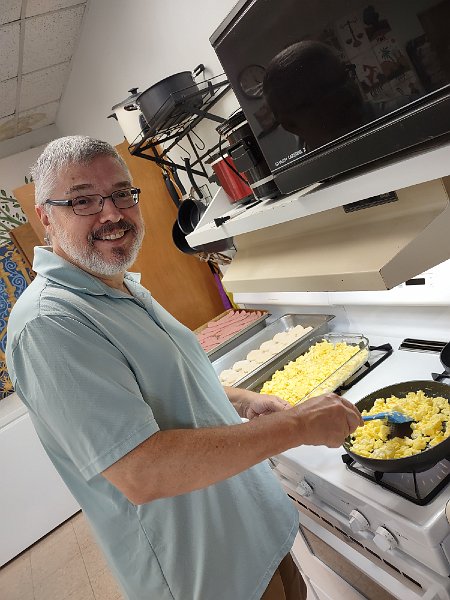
x=184, y=113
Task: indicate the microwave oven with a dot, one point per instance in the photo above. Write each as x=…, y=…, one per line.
x=328, y=86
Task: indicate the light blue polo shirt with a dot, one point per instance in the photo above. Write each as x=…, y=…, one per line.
x=100, y=372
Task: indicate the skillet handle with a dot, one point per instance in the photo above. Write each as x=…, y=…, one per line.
x=198, y=69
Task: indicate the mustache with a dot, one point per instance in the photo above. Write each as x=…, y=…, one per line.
x=111, y=228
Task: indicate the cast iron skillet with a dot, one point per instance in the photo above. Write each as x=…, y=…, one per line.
x=418, y=462
x=179, y=239
x=445, y=358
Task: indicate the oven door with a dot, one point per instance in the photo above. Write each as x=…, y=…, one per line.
x=330, y=574
x=324, y=583
x=336, y=565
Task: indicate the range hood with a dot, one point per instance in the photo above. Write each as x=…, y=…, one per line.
x=374, y=244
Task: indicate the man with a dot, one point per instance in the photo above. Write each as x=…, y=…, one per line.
x=130, y=411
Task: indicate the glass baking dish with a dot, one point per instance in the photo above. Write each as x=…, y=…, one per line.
x=311, y=369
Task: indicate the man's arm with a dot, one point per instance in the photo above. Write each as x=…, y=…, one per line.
x=178, y=461
x=249, y=404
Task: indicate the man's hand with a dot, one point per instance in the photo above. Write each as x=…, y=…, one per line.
x=250, y=404
x=327, y=420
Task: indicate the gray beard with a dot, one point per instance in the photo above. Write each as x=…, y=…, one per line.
x=91, y=260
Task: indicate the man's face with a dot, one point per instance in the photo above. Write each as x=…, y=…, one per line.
x=104, y=244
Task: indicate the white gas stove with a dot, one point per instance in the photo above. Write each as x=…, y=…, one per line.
x=379, y=544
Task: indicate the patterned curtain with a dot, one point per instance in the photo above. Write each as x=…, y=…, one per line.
x=15, y=276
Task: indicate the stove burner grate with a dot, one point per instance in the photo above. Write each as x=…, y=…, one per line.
x=417, y=487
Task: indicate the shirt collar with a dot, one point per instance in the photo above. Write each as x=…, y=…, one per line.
x=55, y=268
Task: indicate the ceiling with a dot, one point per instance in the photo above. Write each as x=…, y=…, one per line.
x=37, y=41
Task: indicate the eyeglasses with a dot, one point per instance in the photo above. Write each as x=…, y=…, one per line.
x=93, y=203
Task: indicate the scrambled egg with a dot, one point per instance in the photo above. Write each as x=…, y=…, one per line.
x=320, y=370
x=430, y=428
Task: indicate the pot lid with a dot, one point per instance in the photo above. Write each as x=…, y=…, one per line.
x=134, y=94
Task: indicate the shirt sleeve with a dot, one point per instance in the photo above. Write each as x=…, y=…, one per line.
x=82, y=391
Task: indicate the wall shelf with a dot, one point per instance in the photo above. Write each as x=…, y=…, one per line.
x=181, y=114
x=399, y=173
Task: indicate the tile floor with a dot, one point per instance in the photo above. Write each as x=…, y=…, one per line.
x=64, y=565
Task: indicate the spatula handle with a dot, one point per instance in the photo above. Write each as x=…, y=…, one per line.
x=373, y=417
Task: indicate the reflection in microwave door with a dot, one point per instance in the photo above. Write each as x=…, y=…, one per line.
x=251, y=81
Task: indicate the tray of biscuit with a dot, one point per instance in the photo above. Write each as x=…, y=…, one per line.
x=275, y=341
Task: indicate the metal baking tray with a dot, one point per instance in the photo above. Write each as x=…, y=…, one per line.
x=256, y=380
x=239, y=337
x=319, y=324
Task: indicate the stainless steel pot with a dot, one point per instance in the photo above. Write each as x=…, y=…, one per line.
x=130, y=118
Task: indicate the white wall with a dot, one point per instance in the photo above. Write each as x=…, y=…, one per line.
x=13, y=169
x=136, y=44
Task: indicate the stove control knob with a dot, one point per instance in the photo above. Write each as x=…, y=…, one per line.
x=358, y=522
x=304, y=489
x=384, y=539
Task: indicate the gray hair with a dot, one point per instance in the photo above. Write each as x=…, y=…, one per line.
x=65, y=151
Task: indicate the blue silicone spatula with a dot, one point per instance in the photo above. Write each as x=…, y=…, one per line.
x=400, y=424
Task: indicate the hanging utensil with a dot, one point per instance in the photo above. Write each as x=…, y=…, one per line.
x=187, y=164
x=179, y=239
x=171, y=188
x=178, y=181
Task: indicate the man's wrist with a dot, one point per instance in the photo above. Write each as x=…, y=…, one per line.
x=237, y=397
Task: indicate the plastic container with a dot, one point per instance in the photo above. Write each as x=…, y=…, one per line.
x=332, y=381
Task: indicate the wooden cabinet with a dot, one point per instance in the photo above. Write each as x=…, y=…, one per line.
x=25, y=239
x=181, y=283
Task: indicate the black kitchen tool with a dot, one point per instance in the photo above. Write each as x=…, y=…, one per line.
x=177, y=180
x=445, y=358
x=445, y=361
x=179, y=239
x=187, y=164
x=418, y=462
x=189, y=214
x=223, y=219
x=171, y=188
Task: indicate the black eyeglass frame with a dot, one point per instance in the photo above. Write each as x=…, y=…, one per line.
x=134, y=192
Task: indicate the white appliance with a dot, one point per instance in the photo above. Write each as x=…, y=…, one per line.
x=34, y=499
x=358, y=540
